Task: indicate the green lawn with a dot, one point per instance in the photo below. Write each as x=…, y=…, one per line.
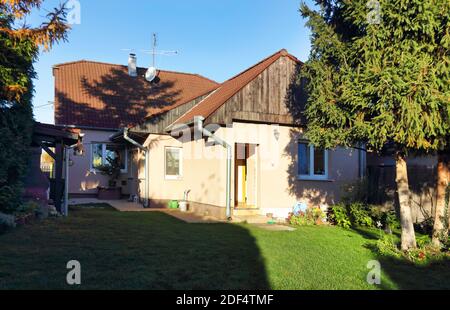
x=155, y=251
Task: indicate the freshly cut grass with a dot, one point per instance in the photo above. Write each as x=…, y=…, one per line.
x=151, y=250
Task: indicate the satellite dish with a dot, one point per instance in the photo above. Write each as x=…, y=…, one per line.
x=150, y=75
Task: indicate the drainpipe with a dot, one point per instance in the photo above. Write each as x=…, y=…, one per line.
x=198, y=120
x=146, y=153
x=66, y=181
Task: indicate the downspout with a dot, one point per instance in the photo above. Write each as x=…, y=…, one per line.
x=199, y=122
x=146, y=153
x=66, y=181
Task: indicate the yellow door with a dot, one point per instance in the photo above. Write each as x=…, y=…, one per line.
x=242, y=185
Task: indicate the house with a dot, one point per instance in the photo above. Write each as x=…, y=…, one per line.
x=231, y=148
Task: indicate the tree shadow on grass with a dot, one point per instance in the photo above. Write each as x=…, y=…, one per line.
x=371, y=233
x=406, y=275
x=131, y=250
x=209, y=256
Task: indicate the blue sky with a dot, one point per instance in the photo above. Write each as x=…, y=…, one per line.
x=217, y=39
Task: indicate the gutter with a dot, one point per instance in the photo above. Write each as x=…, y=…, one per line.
x=198, y=121
x=88, y=127
x=147, y=155
x=65, y=211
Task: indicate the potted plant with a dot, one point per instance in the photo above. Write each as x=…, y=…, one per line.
x=112, y=170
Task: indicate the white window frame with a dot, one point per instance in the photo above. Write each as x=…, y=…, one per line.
x=311, y=176
x=122, y=171
x=180, y=175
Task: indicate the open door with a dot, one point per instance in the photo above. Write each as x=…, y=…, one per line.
x=245, y=176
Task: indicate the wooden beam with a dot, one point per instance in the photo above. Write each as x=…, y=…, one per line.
x=59, y=158
x=48, y=151
x=45, y=148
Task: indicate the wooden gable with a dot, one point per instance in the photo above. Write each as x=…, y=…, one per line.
x=272, y=97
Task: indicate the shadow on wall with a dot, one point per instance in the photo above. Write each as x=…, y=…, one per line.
x=422, y=181
x=316, y=193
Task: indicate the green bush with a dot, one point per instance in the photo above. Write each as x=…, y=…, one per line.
x=30, y=207
x=390, y=219
x=359, y=215
x=301, y=220
x=6, y=221
x=386, y=246
x=311, y=216
x=338, y=215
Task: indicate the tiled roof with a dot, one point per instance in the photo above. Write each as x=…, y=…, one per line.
x=229, y=88
x=96, y=94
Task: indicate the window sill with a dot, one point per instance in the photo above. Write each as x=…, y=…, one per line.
x=95, y=171
x=314, y=179
x=168, y=178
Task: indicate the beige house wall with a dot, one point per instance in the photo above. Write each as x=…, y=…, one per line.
x=83, y=180
x=201, y=173
x=276, y=187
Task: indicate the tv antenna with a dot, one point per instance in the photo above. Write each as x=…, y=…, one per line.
x=152, y=72
x=154, y=51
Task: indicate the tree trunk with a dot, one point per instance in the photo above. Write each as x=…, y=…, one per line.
x=401, y=178
x=440, y=218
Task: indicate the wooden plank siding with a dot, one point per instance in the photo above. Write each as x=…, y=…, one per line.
x=263, y=100
x=158, y=123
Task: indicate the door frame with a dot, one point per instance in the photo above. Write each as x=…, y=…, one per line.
x=240, y=162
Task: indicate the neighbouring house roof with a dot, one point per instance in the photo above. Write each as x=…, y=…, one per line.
x=229, y=88
x=42, y=131
x=102, y=95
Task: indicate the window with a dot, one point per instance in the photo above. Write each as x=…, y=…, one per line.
x=173, y=163
x=103, y=153
x=312, y=162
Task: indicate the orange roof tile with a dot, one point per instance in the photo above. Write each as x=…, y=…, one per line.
x=96, y=94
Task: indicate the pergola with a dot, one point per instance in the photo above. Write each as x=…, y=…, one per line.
x=49, y=136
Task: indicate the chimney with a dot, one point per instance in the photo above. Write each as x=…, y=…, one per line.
x=132, y=65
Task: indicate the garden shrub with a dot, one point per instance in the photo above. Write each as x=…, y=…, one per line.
x=424, y=253
x=27, y=208
x=390, y=220
x=301, y=220
x=338, y=215
x=7, y=221
x=359, y=215
x=312, y=216
x=386, y=246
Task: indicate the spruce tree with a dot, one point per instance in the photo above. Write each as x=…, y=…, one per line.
x=19, y=48
x=378, y=74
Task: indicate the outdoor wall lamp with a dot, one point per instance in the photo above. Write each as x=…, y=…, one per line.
x=276, y=134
